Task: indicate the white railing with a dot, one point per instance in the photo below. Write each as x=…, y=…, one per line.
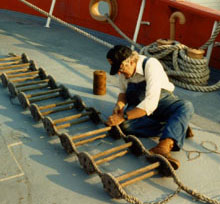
x=139, y=22
x=50, y=12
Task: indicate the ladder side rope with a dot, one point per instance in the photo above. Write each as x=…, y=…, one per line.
x=67, y=24
x=180, y=185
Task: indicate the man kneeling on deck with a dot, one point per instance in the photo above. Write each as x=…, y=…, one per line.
x=146, y=105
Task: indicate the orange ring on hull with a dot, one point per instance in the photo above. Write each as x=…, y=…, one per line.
x=94, y=9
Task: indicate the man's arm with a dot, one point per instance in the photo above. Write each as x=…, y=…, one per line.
x=117, y=119
x=121, y=102
x=118, y=113
x=136, y=113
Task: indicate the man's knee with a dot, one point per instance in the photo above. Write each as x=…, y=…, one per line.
x=187, y=107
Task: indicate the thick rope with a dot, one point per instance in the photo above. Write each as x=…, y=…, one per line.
x=121, y=33
x=212, y=38
x=67, y=24
x=183, y=71
x=181, y=186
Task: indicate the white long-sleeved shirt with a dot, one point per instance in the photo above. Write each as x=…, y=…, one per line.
x=156, y=79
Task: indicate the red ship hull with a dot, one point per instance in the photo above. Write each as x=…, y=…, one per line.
x=194, y=33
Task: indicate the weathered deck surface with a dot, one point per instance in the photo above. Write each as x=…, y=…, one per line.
x=34, y=168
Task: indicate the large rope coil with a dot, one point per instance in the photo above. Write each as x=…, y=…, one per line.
x=183, y=71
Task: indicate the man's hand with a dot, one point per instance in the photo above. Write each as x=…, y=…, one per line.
x=115, y=119
x=121, y=102
x=118, y=109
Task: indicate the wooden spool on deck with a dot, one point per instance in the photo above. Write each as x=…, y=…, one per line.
x=99, y=82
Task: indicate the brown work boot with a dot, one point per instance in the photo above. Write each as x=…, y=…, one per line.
x=163, y=148
x=189, y=132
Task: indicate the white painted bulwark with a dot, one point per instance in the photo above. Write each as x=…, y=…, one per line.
x=214, y=4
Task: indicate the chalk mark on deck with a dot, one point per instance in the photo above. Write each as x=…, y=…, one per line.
x=16, y=161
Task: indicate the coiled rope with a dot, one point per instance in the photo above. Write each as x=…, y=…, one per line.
x=183, y=71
